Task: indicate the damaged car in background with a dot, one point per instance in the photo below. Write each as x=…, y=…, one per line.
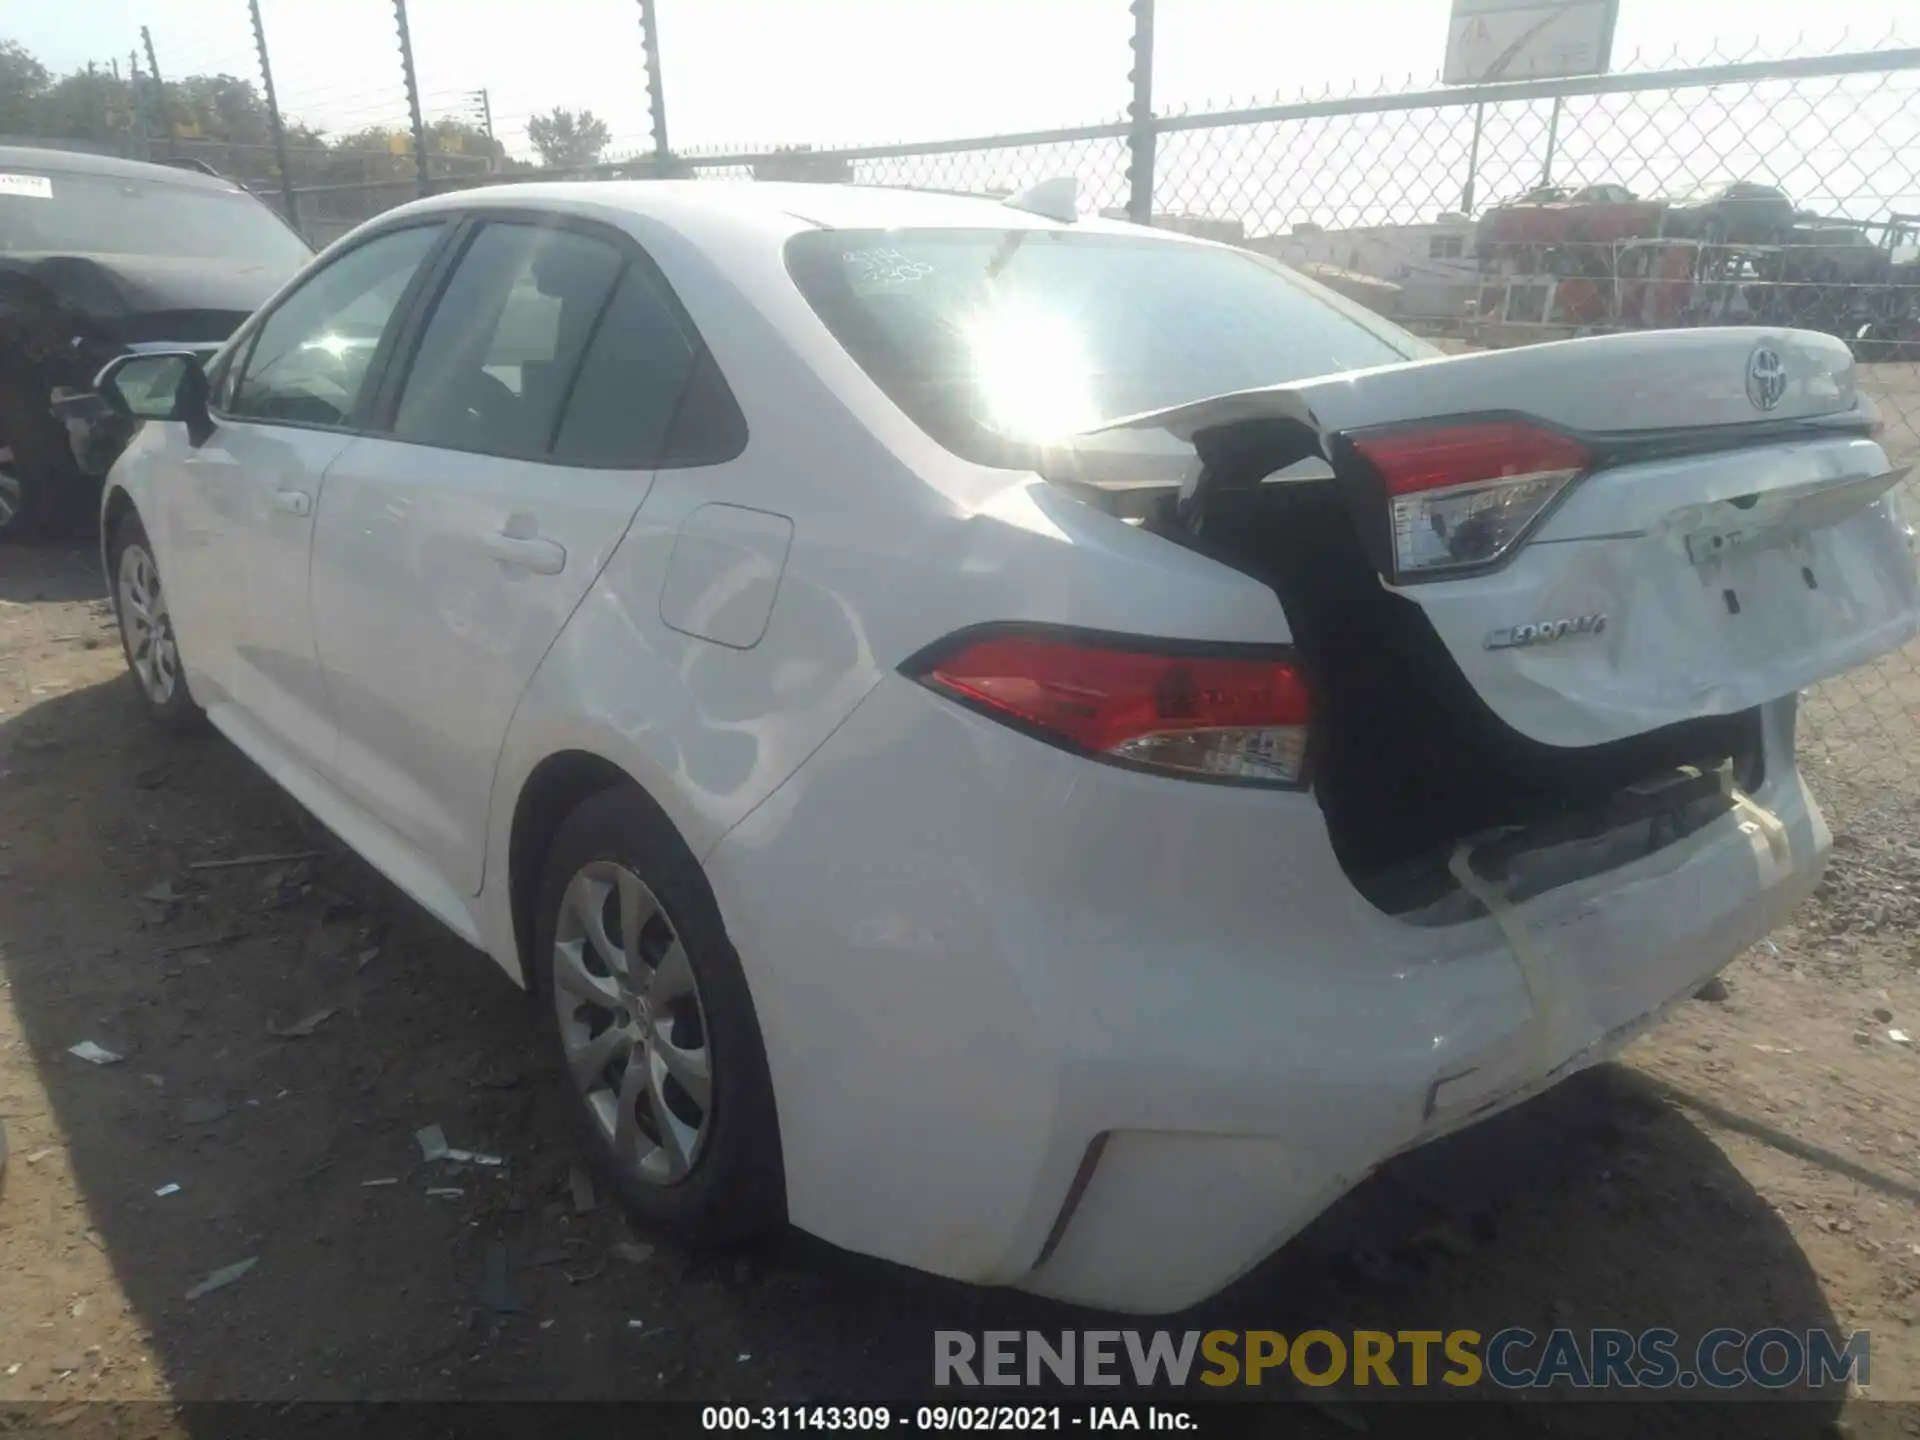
x=102, y=257
x=1033, y=748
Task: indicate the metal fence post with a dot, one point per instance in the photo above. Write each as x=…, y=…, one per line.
x=656, y=96
x=159, y=85
x=484, y=100
x=142, y=147
x=1553, y=136
x=1140, y=136
x=1473, y=160
x=273, y=116
x=413, y=97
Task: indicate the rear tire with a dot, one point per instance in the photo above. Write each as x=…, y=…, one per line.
x=655, y=1032
x=146, y=629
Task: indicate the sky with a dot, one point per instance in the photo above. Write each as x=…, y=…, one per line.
x=750, y=74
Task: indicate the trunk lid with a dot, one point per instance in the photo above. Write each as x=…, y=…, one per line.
x=1730, y=537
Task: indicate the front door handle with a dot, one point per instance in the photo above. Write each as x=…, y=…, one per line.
x=543, y=557
x=294, y=502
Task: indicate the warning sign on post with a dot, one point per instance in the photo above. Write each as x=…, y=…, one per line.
x=1528, y=39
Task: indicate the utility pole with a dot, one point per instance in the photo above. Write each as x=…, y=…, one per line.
x=142, y=150
x=656, y=98
x=1140, y=138
x=483, y=103
x=273, y=116
x=413, y=97
x=159, y=86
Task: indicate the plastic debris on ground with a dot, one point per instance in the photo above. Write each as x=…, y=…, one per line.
x=432, y=1141
x=1899, y=1037
x=366, y=957
x=444, y=1192
x=241, y=862
x=223, y=1277
x=169, y=1188
x=471, y=1157
x=496, y=1285
x=93, y=1054
x=383, y=1180
x=580, y=1187
x=301, y=1029
x=631, y=1251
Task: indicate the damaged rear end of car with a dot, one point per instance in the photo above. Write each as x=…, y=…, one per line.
x=1541, y=597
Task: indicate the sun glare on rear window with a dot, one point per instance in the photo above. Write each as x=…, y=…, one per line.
x=986, y=337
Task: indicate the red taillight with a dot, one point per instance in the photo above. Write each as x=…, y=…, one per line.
x=1461, y=496
x=1411, y=461
x=1215, y=715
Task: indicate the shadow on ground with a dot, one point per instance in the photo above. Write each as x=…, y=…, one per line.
x=31, y=574
x=1598, y=1205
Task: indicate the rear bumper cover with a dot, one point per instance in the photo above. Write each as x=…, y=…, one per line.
x=1025, y=951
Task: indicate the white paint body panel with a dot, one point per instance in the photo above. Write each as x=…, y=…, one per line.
x=428, y=630
x=244, y=562
x=1043, y=949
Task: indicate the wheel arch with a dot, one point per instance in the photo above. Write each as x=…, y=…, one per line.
x=115, y=506
x=553, y=790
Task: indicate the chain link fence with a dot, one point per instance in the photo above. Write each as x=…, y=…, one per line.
x=1743, y=191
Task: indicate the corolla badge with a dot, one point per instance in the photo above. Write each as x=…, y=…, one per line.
x=1547, y=632
x=1766, y=378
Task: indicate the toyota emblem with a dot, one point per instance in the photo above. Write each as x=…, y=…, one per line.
x=1766, y=378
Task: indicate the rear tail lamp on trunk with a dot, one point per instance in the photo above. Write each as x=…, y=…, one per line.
x=1462, y=496
x=1237, y=714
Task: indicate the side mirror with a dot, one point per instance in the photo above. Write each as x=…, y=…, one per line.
x=159, y=385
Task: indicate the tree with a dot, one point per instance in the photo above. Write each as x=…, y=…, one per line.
x=567, y=141
x=80, y=106
x=22, y=80
x=458, y=137
x=220, y=107
x=455, y=150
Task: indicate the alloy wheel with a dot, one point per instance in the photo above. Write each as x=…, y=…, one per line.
x=146, y=625
x=632, y=1026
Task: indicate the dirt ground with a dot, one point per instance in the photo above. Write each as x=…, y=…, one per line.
x=1754, y=1163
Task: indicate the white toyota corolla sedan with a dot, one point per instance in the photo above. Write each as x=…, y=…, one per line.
x=1035, y=748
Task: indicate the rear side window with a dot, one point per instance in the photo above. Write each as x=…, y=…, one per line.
x=506, y=339
x=628, y=391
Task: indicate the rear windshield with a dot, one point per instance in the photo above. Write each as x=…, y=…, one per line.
x=68, y=213
x=997, y=341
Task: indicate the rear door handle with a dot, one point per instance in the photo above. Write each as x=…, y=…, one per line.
x=294, y=502
x=543, y=557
